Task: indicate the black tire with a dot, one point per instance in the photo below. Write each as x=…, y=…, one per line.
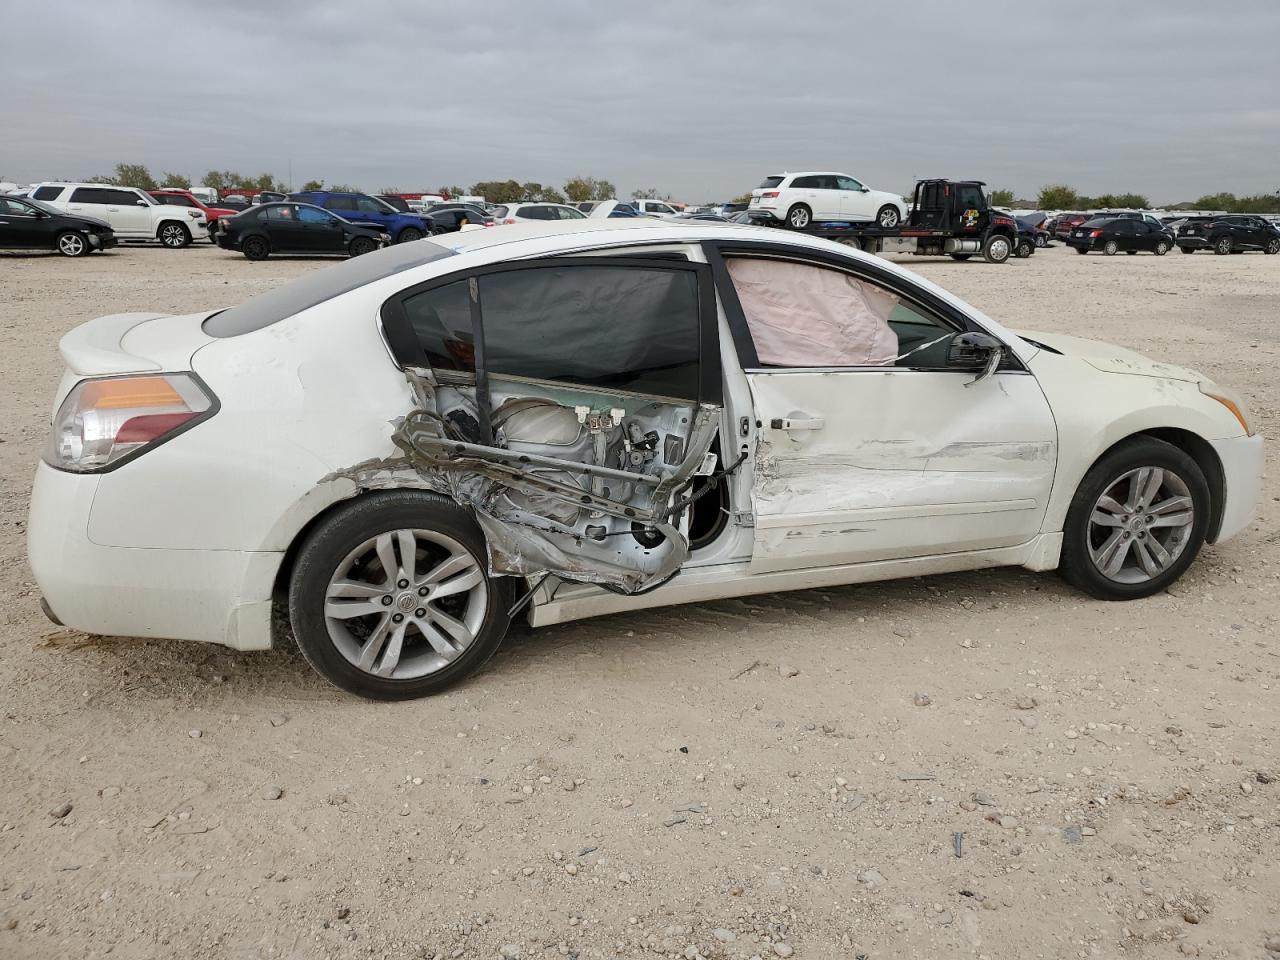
x=1077, y=565
x=1273, y=246
x=1024, y=249
x=1161, y=248
x=360, y=246
x=255, y=248
x=799, y=216
x=1041, y=240
x=961, y=256
x=1132, y=253
x=1082, y=250
x=888, y=216
x=71, y=243
x=330, y=545
x=1223, y=246
x=1187, y=249
x=408, y=235
x=174, y=235
x=1111, y=248
x=997, y=248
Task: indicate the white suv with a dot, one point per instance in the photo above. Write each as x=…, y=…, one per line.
x=654, y=208
x=802, y=199
x=132, y=213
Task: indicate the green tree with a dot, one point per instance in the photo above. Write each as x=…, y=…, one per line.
x=552, y=195
x=1112, y=200
x=531, y=190
x=648, y=193
x=344, y=188
x=134, y=175
x=604, y=190
x=176, y=180
x=578, y=189
x=1058, y=196
x=313, y=185
x=454, y=191
x=1218, y=201
x=498, y=191
x=742, y=198
x=1002, y=198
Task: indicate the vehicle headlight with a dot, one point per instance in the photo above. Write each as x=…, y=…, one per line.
x=106, y=419
x=1232, y=401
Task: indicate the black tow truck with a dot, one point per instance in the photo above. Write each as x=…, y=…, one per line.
x=951, y=217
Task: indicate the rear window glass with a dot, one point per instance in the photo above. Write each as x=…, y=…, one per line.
x=622, y=328
x=499, y=212
x=320, y=285
x=47, y=193
x=770, y=182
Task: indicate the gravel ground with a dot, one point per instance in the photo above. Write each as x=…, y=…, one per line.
x=775, y=776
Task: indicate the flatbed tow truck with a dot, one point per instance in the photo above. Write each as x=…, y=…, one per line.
x=948, y=217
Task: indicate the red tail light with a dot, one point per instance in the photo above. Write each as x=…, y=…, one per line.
x=509, y=220
x=769, y=194
x=1095, y=233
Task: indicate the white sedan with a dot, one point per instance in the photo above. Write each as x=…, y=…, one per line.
x=404, y=451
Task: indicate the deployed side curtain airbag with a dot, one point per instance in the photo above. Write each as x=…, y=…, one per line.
x=805, y=316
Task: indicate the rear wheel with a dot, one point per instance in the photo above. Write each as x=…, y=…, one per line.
x=1222, y=246
x=1187, y=249
x=1041, y=240
x=390, y=597
x=175, y=236
x=1024, y=249
x=1162, y=248
x=1136, y=522
x=1082, y=250
x=799, y=217
x=360, y=246
x=961, y=256
x=408, y=235
x=1110, y=248
x=72, y=244
x=997, y=248
x=255, y=248
x=888, y=216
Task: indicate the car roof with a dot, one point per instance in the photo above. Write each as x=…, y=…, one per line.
x=72, y=183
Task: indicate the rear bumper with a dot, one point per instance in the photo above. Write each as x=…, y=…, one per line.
x=1193, y=243
x=761, y=215
x=213, y=596
x=1242, y=466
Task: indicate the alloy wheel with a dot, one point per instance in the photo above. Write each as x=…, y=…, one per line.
x=173, y=236
x=71, y=244
x=1140, y=525
x=406, y=603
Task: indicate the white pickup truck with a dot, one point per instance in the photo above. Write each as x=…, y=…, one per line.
x=132, y=213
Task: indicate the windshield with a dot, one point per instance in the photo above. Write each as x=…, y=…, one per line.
x=40, y=205
x=318, y=286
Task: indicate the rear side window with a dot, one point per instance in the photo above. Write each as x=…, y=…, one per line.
x=92, y=195
x=441, y=322
x=47, y=193
x=340, y=203
x=770, y=182
x=622, y=328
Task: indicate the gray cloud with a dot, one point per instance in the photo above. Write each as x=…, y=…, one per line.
x=1173, y=98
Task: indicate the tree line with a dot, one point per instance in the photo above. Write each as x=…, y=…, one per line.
x=1058, y=196
x=574, y=190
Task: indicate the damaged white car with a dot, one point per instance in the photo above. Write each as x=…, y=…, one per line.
x=405, y=451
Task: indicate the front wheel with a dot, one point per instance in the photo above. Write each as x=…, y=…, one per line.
x=360, y=246
x=1110, y=248
x=1161, y=248
x=997, y=248
x=390, y=597
x=1187, y=249
x=408, y=235
x=1024, y=249
x=888, y=216
x=72, y=244
x=1041, y=240
x=1273, y=246
x=1136, y=522
x=175, y=236
x=1222, y=246
x=1082, y=250
x=799, y=217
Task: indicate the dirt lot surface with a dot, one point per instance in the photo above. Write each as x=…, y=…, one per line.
x=660, y=784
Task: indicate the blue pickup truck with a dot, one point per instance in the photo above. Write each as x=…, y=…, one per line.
x=364, y=209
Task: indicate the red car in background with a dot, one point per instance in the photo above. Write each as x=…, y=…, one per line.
x=185, y=198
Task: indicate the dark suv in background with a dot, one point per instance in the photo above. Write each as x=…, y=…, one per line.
x=1233, y=233
x=364, y=209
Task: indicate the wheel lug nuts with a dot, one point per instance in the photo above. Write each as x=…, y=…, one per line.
x=420, y=613
x=403, y=584
x=423, y=591
x=386, y=601
x=398, y=618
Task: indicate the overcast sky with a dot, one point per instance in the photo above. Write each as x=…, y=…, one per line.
x=699, y=98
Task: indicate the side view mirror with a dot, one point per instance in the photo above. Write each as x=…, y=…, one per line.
x=141, y=203
x=39, y=214
x=864, y=189
x=975, y=350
